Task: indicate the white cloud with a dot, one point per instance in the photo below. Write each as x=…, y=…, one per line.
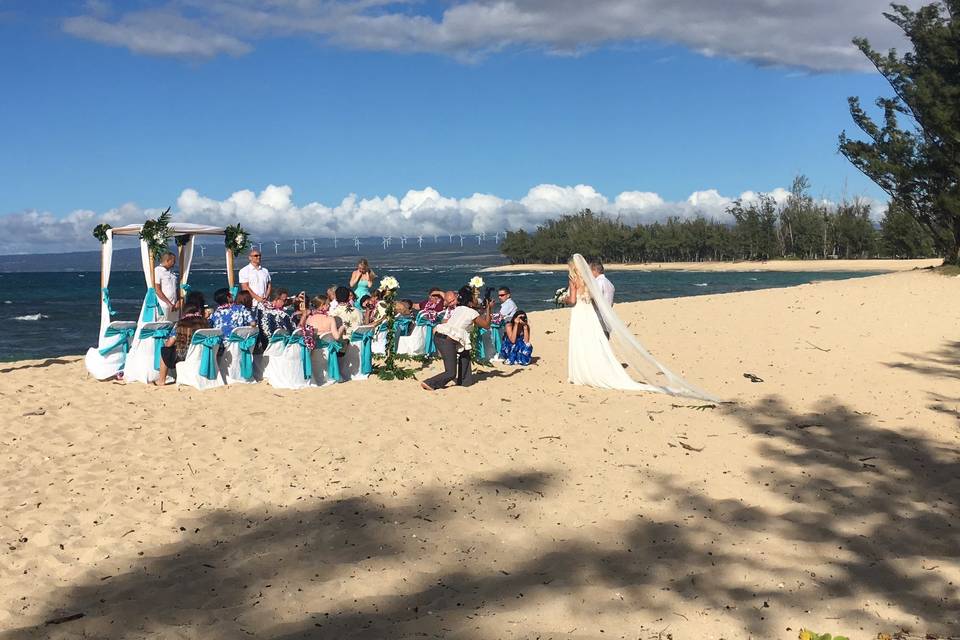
x=813, y=34
x=273, y=214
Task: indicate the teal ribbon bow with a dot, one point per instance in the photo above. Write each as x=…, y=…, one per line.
x=481, y=347
x=401, y=327
x=496, y=335
x=158, y=335
x=208, y=359
x=151, y=306
x=106, y=301
x=235, y=291
x=365, y=338
x=245, y=345
x=429, y=348
x=332, y=347
x=186, y=288
x=123, y=340
x=288, y=340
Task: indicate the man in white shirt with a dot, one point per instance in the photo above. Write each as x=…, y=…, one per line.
x=508, y=308
x=256, y=280
x=606, y=287
x=166, y=285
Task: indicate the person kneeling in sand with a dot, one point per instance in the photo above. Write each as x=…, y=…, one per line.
x=452, y=339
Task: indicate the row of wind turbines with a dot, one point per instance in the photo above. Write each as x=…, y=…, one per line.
x=300, y=245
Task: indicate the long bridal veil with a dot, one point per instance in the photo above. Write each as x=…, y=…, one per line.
x=629, y=349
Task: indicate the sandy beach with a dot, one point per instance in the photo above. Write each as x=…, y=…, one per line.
x=825, y=496
x=770, y=265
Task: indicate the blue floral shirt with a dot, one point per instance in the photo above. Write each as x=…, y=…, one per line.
x=229, y=317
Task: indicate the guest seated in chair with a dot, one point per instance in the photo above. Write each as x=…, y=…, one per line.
x=274, y=317
x=516, y=347
x=175, y=348
x=245, y=299
x=317, y=322
x=229, y=315
x=348, y=314
x=432, y=306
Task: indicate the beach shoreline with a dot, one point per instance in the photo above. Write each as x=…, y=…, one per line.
x=769, y=265
x=819, y=494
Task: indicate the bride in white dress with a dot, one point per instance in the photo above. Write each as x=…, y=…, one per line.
x=592, y=360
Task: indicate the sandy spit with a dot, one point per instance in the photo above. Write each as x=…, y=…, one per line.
x=770, y=265
x=825, y=496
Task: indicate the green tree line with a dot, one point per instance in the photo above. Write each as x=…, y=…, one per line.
x=800, y=228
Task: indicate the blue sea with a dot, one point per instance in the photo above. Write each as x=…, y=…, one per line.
x=53, y=314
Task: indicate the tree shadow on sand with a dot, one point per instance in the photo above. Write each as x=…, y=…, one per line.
x=874, y=509
x=944, y=362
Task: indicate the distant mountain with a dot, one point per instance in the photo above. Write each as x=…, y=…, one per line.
x=443, y=252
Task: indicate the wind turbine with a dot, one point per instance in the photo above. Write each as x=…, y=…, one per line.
x=356, y=243
x=451, y=238
x=334, y=241
x=314, y=246
x=259, y=247
x=479, y=239
x=386, y=243
x=294, y=246
x=434, y=238
x=420, y=241
x=276, y=247
x=496, y=237
x=461, y=242
x=403, y=241
x=203, y=251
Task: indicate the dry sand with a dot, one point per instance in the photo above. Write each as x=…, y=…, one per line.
x=825, y=496
x=770, y=265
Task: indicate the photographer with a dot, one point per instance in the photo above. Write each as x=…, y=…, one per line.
x=516, y=347
x=453, y=341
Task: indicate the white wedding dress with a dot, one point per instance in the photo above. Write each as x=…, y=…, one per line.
x=596, y=361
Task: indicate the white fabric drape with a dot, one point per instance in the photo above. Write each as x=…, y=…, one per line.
x=147, y=276
x=187, y=261
x=627, y=347
x=106, y=261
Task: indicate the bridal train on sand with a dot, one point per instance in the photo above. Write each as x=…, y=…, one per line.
x=596, y=361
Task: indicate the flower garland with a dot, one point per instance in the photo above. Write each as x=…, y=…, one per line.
x=236, y=239
x=156, y=233
x=390, y=370
x=100, y=232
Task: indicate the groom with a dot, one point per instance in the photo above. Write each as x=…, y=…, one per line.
x=606, y=290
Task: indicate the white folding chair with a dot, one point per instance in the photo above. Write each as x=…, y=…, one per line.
x=237, y=359
x=110, y=357
x=199, y=368
x=289, y=363
x=355, y=364
x=327, y=363
x=414, y=344
x=143, y=361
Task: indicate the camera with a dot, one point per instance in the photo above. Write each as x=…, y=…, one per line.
x=488, y=296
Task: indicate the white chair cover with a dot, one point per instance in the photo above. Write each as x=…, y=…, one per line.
x=188, y=371
x=380, y=341
x=414, y=344
x=283, y=366
x=140, y=360
x=230, y=358
x=106, y=366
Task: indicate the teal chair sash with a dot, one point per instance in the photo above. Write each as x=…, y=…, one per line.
x=401, y=327
x=123, y=339
x=159, y=336
x=365, y=338
x=245, y=345
x=151, y=306
x=208, y=359
x=186, y=288
x=332, y=347
x=481, y=347
x=496, y=335
x=235, y=291
x=106, y=301
x=429, y=348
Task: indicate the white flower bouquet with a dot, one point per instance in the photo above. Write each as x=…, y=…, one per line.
x=389, y=283
x=476, y=282
x=560, y=297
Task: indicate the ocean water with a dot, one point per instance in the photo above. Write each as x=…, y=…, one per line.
x=51, y=314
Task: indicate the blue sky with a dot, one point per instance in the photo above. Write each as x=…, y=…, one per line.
x=98, y=122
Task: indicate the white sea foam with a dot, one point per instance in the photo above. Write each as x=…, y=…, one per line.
x=35, y=316
x=8, y=302
x=701, y=284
